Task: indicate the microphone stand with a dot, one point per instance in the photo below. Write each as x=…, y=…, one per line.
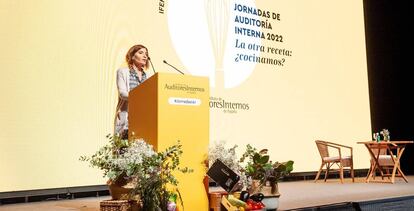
x=173, y=67
x=153, y=69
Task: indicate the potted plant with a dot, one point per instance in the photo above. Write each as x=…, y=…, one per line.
x=276, y=173
x=261, y=170
x=156, y=184
x=111, y=159
x=265, y=174
x=256, y=167
x=148, y=172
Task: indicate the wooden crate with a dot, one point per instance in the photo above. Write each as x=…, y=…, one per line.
x=226, y=206
x=119, y=205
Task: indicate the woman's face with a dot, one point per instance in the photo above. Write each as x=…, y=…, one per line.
x=140, y=58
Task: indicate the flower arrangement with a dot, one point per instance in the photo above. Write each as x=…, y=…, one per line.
x=150, y=172
x=254, y=166
x=386, y=134
x=260, y=169
x=229, y=157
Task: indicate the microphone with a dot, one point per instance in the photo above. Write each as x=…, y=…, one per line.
x=153, y=70
x=173, y=67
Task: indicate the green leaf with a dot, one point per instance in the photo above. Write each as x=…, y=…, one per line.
x=249, y=170
x=289, y=166
x=256, y=158
x=264, y=159
x=267, y=166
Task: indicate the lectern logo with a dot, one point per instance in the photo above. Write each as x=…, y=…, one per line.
x=184, y=87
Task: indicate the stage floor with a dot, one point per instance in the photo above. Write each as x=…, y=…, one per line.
x=309, y=194
x=294, y=195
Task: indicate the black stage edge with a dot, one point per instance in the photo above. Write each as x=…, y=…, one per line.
x=405, y=203
x=13, y=197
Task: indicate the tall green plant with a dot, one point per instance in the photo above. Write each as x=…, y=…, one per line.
x=259, y=166
x=257, y=163
x=159, y=184
x=279, y=170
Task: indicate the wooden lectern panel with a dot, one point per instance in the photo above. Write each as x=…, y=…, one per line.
x=143, y=111
x=170, y=107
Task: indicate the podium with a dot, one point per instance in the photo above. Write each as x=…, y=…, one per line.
x=171, y=107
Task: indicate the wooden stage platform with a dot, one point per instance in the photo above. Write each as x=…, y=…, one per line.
x=298, y=195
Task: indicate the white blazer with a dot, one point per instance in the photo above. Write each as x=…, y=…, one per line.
x=121, y=115
x=122, y=83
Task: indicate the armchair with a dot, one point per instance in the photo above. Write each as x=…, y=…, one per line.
x=341, y=160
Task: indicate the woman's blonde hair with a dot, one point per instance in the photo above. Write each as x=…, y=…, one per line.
x=131, y=52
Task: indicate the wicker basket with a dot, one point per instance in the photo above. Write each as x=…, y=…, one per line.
x=119, y=205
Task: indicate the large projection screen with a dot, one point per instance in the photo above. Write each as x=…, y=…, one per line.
x=282, y=74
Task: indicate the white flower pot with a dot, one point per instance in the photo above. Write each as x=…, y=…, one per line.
x=271, y=202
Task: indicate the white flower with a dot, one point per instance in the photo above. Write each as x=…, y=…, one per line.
x=131, y=157
x=227, y=156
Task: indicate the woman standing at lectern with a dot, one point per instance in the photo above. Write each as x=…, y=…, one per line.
x=127, y=78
